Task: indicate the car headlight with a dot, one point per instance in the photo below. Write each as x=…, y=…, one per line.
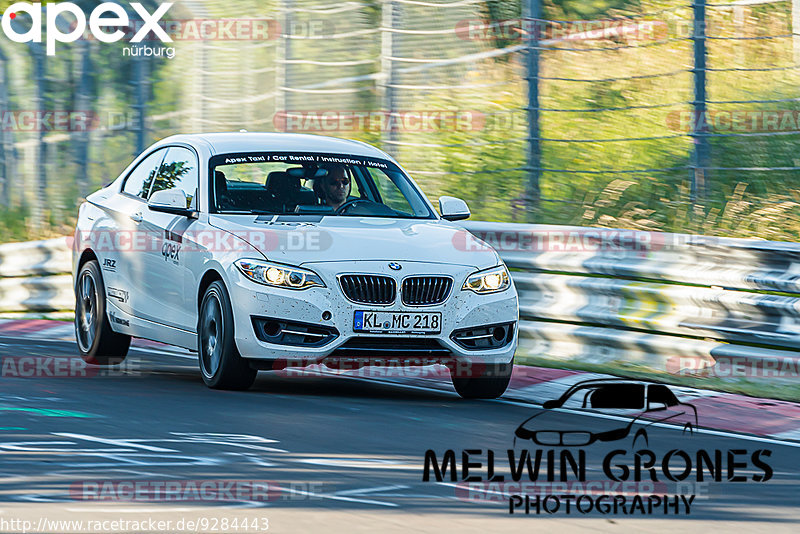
x=491, y=280
x=276, y=275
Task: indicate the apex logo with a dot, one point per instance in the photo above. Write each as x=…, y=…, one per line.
x=106, y=15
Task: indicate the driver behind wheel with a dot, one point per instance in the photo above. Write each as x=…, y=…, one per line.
x=334, y=188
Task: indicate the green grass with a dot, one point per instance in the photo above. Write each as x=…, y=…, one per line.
x=760, y=389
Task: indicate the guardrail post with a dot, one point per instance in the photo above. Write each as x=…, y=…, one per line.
x=532, y=17
x=702, y=148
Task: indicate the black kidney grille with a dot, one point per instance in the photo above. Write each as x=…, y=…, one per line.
x=426, y=290
x=368, y=289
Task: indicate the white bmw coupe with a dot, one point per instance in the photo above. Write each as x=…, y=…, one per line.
x=262, y=251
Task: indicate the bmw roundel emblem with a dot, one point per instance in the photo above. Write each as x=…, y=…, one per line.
x=395, y=266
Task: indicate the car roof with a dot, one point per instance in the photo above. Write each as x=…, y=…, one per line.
x=605, y=382
x=232, y=142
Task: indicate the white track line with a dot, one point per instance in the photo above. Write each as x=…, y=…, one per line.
x=720, y=433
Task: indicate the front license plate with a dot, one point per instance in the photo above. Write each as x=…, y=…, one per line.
x=379, y=322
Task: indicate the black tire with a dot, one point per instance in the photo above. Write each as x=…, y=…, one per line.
x=483, y=382
x=220, y=363
x=98, y=344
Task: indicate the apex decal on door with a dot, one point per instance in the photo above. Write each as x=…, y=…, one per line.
x=173, y=239
x=171, y=252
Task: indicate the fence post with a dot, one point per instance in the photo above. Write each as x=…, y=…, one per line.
x=40, y=190
x=702, y=148
x=796, y=31
x=739, y=31
x=282, y=68
x=140, y=82
x=391, y=19
x=83, y=103
x=532, y=17
x=5, y=177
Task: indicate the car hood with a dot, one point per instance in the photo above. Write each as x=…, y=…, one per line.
x=296, y=240
x=548, y=420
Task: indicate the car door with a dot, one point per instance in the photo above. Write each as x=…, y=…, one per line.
x=121, y=243
x=664, y=406
x=170, y=280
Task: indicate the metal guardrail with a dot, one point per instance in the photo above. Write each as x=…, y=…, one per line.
x=666, y=301
x=35, y=276
x=594, y=295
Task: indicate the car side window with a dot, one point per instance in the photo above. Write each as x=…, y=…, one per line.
x=141, y=178
x=390, y=194
x=661, y=394
x=179, y=171
x=618, y=396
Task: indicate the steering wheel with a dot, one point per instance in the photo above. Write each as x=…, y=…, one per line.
x=350, y=203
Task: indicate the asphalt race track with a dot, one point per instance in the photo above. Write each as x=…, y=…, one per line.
x=338, y=454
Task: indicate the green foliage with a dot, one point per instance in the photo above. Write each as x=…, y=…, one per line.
x=591, y=9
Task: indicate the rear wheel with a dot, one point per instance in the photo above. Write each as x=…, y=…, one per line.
x=97, y=342
x=487, y=382
x=220, y=363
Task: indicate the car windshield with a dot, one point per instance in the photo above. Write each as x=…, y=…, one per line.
x=272, y=183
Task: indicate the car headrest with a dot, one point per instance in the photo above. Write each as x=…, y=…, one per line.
x=280, y=183
x=220, y=182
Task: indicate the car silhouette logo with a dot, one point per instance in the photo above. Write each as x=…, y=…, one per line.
x=395, y=266
x=645, y=404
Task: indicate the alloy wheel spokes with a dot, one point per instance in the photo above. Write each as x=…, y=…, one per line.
x=212, y=333
x=87, y=310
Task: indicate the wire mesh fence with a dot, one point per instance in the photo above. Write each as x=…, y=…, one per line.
x=667, y=115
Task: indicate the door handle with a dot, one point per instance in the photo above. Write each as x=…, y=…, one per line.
x=137, y=217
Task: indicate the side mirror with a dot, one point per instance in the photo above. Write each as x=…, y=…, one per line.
x=654, y=406
x=549, y=405
x=453, y=209
x=171, y=201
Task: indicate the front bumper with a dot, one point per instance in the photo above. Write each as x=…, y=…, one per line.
x=461, y=310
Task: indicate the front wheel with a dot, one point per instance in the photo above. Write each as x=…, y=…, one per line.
x=97, y=342
x=487, y=382
x=220, y=363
